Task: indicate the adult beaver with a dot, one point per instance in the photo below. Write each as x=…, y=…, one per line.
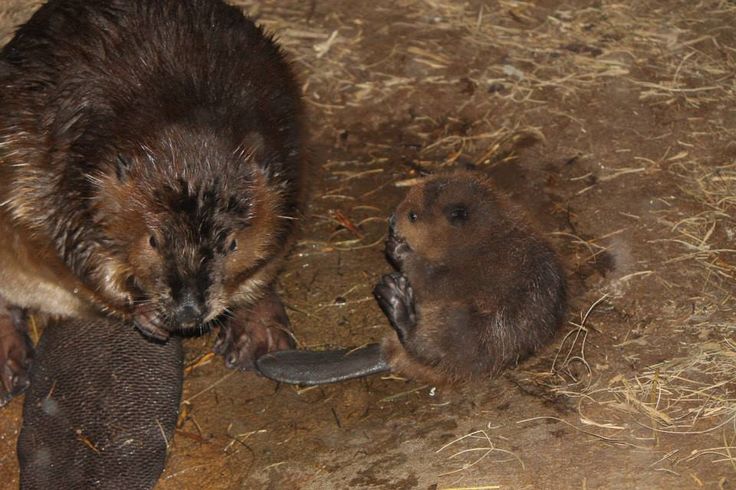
x=151, y=169
x=477, y=290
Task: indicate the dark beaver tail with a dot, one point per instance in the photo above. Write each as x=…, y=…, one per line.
x=322, y=367
x=101, y=409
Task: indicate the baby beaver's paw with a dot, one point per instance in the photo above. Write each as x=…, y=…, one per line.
x=16, y=354
x=397, y=250
x=395, y=296
x=252, y=332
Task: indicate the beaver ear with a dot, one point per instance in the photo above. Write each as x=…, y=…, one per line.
x=253, y=151
x=253, y=147
x=122, y=165
x=457, y=214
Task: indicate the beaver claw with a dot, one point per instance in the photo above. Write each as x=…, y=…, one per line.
x=241, y=343
x=395, y=296
x=251, y=333
x=396, y=249
x=16, y=355
x=150, y=324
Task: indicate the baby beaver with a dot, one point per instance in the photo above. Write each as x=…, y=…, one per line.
x=476, y=290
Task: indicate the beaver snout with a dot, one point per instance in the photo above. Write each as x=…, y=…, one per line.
x=188, y=315
x=189, y=312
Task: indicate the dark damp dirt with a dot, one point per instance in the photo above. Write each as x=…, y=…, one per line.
x=613, y=124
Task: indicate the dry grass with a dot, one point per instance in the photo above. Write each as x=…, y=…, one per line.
x=687, y=395
x=475, y=448
x=422, y=85
x=541, y=66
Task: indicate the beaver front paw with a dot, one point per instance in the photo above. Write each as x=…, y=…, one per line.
x=151, y=323
x=16, y=355
x=396, y=247
x=252, y=332
x=395, y=296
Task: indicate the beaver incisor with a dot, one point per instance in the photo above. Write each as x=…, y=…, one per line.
x=477, y=290
x=151, y=168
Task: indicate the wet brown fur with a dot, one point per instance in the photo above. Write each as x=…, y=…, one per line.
x=488, y=290
x=137, y=140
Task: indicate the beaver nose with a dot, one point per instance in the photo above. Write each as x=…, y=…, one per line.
x=188, y=312
x=188, y=315
x=392, y=221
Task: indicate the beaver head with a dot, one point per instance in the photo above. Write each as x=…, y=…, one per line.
x=187, y=225
x=445, y=217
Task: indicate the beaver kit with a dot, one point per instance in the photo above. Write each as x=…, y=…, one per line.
x=151, y=173
x=476, y=290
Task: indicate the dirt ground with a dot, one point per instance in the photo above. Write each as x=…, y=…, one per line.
x=613, y=123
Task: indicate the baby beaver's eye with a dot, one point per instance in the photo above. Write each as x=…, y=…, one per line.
x=412, y=216
x=153, y=242
x=457, y=214
x=233, y=246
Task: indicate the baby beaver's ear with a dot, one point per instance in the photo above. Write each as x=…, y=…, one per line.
x=457, y=214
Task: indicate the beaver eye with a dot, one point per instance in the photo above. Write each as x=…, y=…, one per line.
x=412, y=216
x=153, y=242
x=233, y=246
x=457, y=214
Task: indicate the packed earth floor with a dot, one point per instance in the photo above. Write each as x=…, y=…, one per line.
x=613, y=123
